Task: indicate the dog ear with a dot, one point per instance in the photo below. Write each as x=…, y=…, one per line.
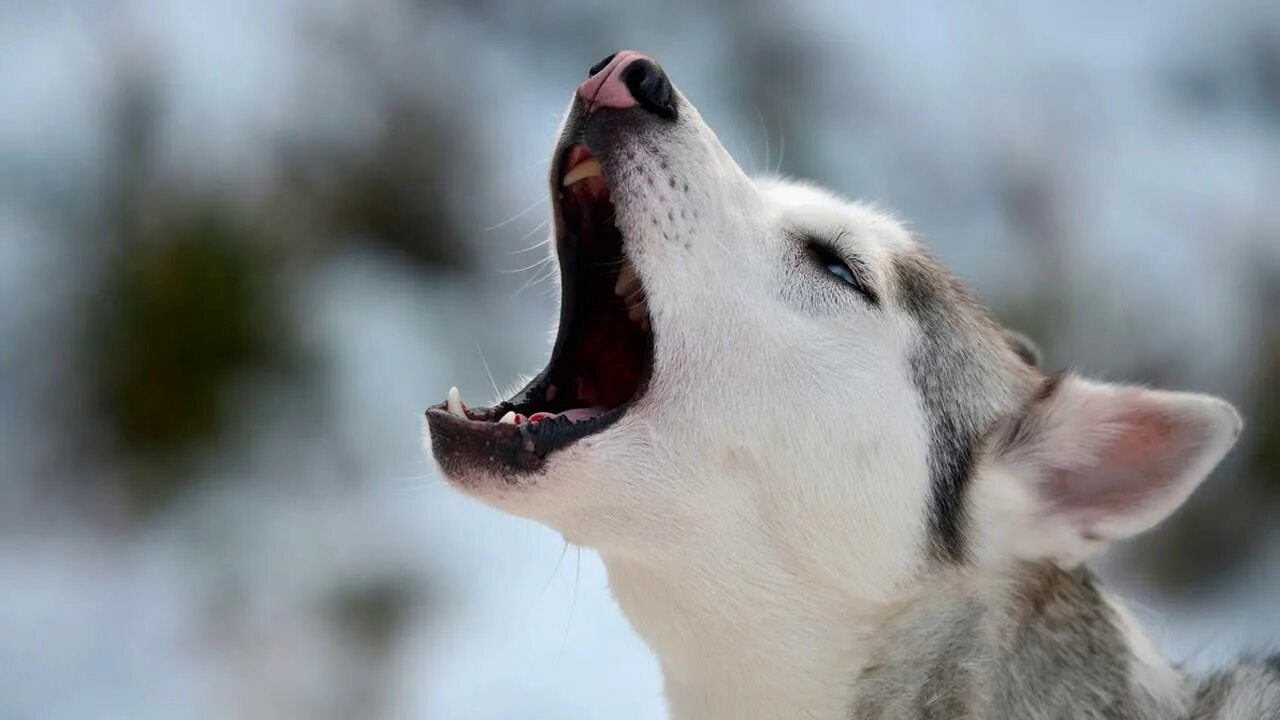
x=1024, y=347
x=1086, y=463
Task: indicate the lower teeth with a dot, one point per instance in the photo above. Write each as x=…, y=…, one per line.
x=575, y=415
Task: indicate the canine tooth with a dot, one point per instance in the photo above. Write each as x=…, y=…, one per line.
x=586, y=169
x=509, y=418
x=454, y=403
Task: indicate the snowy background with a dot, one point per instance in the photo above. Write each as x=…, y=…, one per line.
x=244, y=244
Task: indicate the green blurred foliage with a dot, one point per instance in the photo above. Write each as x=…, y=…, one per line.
x=393, y=193
x=375, y=612
x=187, y=313
x=183, y=313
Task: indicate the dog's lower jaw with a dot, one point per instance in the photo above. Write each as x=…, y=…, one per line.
x=964, y=648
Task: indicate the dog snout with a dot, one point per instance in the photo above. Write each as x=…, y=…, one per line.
x=629, y=79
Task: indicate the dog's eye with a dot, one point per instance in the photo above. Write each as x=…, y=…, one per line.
x=839, y=268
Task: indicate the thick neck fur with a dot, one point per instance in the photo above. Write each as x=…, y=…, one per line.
x=1039, y=642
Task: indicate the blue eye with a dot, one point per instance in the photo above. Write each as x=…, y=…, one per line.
x=840, y=270
x=827, y=259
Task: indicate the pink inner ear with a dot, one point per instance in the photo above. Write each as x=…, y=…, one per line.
x=1150, y=432
x=1134, y=465
x=1108, y=461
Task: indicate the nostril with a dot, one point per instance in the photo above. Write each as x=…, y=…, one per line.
x=600, y=65
x=648, y=84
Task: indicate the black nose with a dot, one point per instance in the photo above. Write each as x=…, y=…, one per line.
x=629, y=78
x=650, y=87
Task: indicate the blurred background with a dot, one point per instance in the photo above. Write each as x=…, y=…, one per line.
x=244, y=244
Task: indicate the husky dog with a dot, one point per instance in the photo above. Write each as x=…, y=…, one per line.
x=824, y=481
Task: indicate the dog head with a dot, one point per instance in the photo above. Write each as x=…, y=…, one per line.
x=754, y=376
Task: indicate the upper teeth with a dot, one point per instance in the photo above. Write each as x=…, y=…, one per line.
x=628, y=288
x=586, y=169
x=454, y=403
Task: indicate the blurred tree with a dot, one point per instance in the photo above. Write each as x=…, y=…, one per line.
x=374, y=612
x=371, y=617
x=184, y=307
x=1229, y=519
x=1234, y=70
x=188, y=308
x=391, y=194
x=396, y=191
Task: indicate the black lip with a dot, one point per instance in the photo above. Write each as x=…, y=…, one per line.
x=461, y=444
x=478, y=442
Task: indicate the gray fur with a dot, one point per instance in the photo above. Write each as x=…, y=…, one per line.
x=1248, y=690
x=968, y=375
x=1025, y=348
x=1048, y=646
x=932, y=665
x=1066, y=655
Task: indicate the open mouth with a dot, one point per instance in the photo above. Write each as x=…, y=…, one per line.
x=603, y=354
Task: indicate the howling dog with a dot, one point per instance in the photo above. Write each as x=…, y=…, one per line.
x=824, y=480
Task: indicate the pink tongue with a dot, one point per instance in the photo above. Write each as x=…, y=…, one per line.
x=580, y=414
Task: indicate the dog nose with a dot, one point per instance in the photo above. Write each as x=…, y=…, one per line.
x=627, y=79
